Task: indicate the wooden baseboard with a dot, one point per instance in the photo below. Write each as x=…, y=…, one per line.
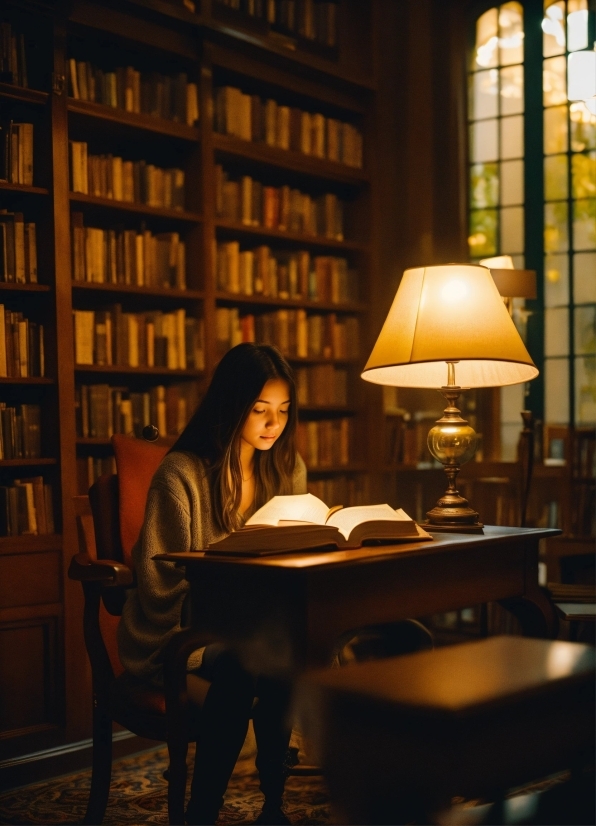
x=43, y=765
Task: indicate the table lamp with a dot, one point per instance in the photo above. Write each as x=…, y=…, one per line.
x=447, y=318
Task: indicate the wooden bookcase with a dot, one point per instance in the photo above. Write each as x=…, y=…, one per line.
x=42, y=658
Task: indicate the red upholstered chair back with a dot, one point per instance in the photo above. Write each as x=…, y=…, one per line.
x=136, y=462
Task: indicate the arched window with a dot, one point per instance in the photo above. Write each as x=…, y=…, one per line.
x=509, y=42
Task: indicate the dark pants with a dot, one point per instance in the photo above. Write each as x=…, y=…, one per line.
x=223, y=726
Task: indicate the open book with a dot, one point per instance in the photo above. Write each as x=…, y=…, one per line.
x=302, y=521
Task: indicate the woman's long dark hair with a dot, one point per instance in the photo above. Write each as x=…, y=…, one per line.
x=213, y=433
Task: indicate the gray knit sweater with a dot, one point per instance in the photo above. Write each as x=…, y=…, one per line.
x=178, y=517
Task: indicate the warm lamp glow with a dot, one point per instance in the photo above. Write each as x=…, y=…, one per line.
x=511, y=283
x=498, y=262
x=450, y=322
x=450, y=313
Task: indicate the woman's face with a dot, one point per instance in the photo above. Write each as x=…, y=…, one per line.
x=268, y=416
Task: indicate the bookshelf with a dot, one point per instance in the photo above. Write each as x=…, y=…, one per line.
x=106, y=81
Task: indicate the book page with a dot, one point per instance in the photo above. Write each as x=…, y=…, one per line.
x=348, y=518
x=300, y=507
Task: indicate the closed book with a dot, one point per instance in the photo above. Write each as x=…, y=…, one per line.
x=7, y=237
x=84, y=322
x=304, y=522
x=30, y=253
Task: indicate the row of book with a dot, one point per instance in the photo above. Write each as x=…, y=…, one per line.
x=296, y=333
x=20, y=431
x=251, y=118
x=26, y=507
x=341, y=489
x=18, y=248
x=321, y=384
x=13, y=59
x=406, y=441
x=109, y=256
x=251, y=203
x=150, y=339
x=103, y=409
x=326, y=443
x=291, y=275
x=171, y=97
x=311, y=19
x=90, y=468
x=22, y=351
x=109, y=176
x=16, y=153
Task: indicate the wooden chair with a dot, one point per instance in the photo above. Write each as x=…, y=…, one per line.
x=109, y=521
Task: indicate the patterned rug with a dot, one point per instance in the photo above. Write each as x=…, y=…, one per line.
x=138, y=795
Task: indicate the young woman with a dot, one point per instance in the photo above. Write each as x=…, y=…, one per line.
x=236, y=452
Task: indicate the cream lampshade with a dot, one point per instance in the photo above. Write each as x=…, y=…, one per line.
x=448, y=320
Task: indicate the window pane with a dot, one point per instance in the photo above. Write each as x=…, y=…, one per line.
x=556, y=331
x=512, y=230
x=483, y=233
x=511, y=33
x=583, y=169
x=484, y=185
x=554, y=81
x=584, y=330
x=553, y=28
x=555, y=130
x=585, y=390
x=584, y=224
x=512, y=137
x=555, y=178
x=556, y=391
x=512, y=182
x=577, y=29
x=555, y=227
x=556, y=280
x=584, y=277
x=512, y=90
x=484, y=142
x=484, y=94
x=583, y=127
x=486, y=52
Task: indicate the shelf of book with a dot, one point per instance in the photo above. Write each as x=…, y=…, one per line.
x=26, y=380
x=133, y=289
x=317, y=241
x=133, y=120
x=23, y=189
x=323, y=469
x=30, y=543
x=226, y=146
x=321, y=360
x=344, y=409
x=271, y=301
x=134, y=208
x=26, y=462
x=23, y=94
x=26, y=288
x=116, y=369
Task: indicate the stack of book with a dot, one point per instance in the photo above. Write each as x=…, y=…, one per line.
x=250, y=118
x=18, y=248
x=16, y=153
x=311, y=19
x=296, y=333
x=20, y=431
x=21, y=345
x=149, y=93
x=322, y=384
x=13, y=59
x=109, y=176
x=26, y=507
x=109, y=256
x=249, y=202
x=326, y=443
x=102, y=410
x=150, y=339
x=292, y=275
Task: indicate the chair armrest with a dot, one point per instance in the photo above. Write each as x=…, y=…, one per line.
x=108, y=572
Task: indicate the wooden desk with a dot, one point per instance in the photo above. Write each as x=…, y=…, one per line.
x=286, y=612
